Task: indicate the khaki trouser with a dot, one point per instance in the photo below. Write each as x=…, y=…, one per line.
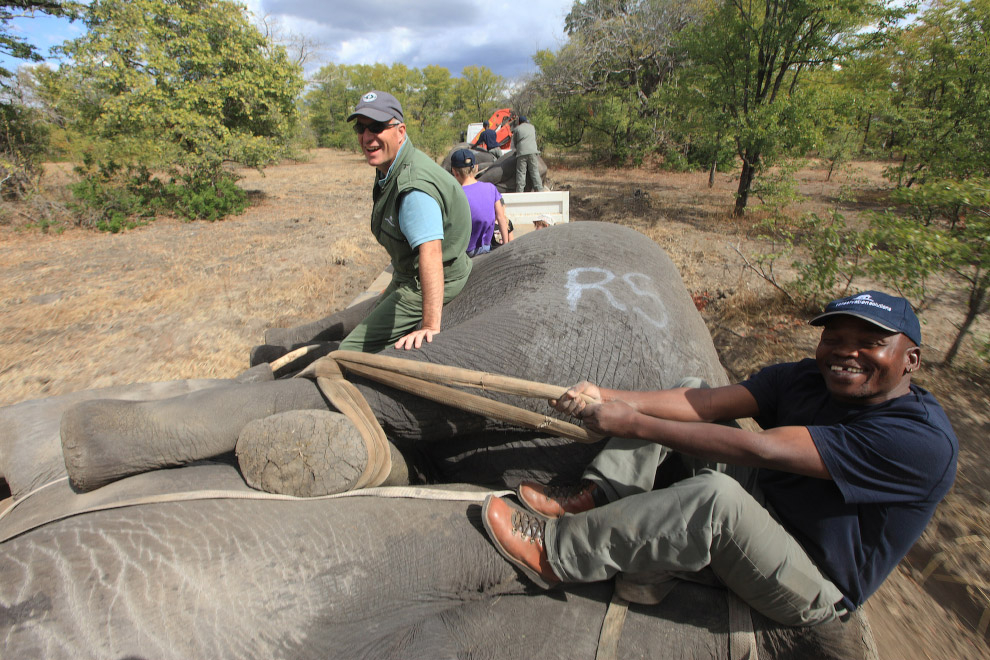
x=528, y=164
x=398, y=312
x=714, y=521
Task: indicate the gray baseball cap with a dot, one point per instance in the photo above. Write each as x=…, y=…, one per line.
x=380, y=106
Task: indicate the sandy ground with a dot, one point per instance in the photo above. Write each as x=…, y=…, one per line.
x=174, y=300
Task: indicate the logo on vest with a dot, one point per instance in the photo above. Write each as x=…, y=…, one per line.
x=388, y=219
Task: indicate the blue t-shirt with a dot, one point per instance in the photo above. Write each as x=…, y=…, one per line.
x=891, y=463
x=420, y=218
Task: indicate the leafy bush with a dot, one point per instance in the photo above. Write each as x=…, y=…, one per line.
x=195, y=200
x=112, y=197
x=175, y=88
x=835, y=253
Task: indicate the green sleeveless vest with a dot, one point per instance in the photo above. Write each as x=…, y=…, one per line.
x=414, y=170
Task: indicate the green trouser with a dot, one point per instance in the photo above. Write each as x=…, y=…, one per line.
x=714, y=522
x=398, y=312
x=531, y=164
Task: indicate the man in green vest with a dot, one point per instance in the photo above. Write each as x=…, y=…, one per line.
x=422, y=219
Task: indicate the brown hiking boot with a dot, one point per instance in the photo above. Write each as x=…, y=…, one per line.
x=555, y=501
x=518, y=536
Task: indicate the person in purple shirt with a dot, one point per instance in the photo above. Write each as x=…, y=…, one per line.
x=487, y=207
x=803, y=520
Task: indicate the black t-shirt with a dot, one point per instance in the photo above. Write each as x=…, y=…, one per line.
x=890, y=463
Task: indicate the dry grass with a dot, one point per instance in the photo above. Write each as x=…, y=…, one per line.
x=183, y=300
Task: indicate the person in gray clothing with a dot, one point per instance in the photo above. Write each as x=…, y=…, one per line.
x=524, y=142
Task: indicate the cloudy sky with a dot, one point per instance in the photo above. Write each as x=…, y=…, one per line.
x=500, y=35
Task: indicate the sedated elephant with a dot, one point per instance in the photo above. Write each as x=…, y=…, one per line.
x=191, y=562
x=499, y=172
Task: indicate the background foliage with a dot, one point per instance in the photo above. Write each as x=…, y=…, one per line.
x=159, y=97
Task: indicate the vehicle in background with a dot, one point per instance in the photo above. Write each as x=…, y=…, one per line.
x=501, y=121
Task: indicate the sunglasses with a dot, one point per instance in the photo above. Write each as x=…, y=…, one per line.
x=376, y=127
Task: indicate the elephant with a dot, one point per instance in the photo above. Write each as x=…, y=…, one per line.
x=500, y=172
x=190, y=561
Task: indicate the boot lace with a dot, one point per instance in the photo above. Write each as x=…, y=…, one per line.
x=528, y=526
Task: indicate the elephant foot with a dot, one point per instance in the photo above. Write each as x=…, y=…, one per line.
x=307, y=453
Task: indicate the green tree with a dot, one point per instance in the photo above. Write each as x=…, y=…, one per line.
x=437, y=108
x=16, y=46
x=326, y=105
x=748, y=61
x=23, y=131
x=601, y=83
x=939, y=96
x=481, y=91
x=181, y=87
x=943, y=226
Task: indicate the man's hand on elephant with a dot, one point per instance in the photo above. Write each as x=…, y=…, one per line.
x=574, y=400
x=615, y=418
x=415, y=338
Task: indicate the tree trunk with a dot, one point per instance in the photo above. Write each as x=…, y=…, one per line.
x=745, y=183
x=976, y=297
x=711, y=173
x=866, y=133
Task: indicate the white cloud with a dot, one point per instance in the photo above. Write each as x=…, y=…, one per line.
x=417, y=33
x=502, y=36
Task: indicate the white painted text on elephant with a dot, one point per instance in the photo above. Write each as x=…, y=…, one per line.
x=617, y=288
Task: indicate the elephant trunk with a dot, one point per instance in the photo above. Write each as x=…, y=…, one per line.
x=107, y=440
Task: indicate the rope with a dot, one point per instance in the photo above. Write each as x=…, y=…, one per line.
x=396, y=492
x=615, y=618
x=422, y=379
x=349, y=400
x=742, y=637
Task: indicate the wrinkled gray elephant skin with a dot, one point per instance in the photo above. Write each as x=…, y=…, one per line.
x=583, y=300
x=500, y=172
x=215, y=571
x=350, y=578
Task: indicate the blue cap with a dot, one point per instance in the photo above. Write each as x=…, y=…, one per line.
x=462, y=158
x=886, y=311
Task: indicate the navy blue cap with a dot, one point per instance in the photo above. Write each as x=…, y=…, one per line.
x=379, y=106
x=881, y=309
x=462, y=158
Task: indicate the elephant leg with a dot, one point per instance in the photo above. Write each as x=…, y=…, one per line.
x=331, y=328
x=308, y=453
x=105, y=440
